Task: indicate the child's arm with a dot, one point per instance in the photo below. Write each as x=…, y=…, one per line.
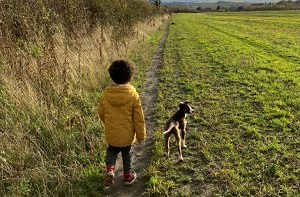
x=139, y=121
x=100, y=109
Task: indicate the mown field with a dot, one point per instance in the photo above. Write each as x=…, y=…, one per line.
x=242, y=73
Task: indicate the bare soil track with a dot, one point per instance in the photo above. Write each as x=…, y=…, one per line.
x=141, y=154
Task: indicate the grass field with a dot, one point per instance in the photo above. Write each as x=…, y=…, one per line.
x=242, y=73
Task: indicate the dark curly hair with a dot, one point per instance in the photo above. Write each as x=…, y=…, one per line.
x=121, y=71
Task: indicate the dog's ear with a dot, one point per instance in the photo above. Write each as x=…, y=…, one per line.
x=184, y=102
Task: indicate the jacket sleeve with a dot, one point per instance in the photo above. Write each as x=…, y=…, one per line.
x=101, y=109
x=138, y=120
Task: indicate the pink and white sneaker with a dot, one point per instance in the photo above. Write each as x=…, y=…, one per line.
x=110, y=176
x=129, y=177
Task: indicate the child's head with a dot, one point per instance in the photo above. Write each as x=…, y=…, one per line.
x=121, y=71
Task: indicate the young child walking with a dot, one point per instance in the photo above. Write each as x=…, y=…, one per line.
x=121, y=111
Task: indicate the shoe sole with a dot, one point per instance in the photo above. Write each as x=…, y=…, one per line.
x=109, y=180
x=129, y=183
x=109, y=183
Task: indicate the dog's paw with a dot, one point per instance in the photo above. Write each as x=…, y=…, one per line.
x=183, y=145
x=180, y=158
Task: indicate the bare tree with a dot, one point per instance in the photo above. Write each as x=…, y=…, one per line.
x=157, y=3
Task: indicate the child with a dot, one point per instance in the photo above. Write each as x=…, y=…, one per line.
x=121, y=111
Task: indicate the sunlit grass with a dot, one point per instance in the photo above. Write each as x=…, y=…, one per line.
x=242, y=76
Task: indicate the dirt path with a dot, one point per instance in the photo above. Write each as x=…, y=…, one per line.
x=142, y=153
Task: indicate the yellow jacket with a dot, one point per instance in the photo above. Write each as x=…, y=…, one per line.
x=121, y=111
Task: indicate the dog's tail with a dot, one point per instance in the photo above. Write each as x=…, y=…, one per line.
x=165, y=132
x=172, y=124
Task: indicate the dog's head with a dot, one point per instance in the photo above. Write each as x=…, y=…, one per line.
x=186, y=108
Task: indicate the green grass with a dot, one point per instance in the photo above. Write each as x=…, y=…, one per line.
x=241, y=71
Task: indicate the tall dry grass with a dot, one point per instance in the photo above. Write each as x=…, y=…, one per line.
x=53, y=61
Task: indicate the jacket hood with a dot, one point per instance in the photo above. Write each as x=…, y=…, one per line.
x=118, y=95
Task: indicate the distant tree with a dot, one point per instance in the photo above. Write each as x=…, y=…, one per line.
x=284, y=2
x=157, y=3
x=280, y=2
x=219, y=7
x=233, y=8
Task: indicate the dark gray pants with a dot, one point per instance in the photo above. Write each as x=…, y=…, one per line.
x=112, y=153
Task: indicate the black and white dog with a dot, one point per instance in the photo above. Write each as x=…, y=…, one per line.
x=176, y=125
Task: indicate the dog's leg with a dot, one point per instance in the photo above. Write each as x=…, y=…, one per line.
x=183, y=139
x=167, y=143
x=172, y=124
x=183, y=132
x=178, y=139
